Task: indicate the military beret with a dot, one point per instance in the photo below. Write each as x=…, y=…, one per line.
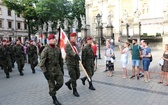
x=73, y=34
x=3, y=40
x=31, y=41
x=17, y=40
x=89, y=38
x=51, y=36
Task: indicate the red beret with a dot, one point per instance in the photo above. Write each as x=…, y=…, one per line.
x=51, y=36
x=73, y=34
x=89, y=38
x=17, y=40
x=3, y=40
x=31, y=40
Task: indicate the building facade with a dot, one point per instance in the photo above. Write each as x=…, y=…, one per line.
x=11, y=25
x=151, y=15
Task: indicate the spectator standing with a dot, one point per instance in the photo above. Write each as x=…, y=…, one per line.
x=141, y=65
x=108, y=43
x=94, y=47
x=146, y=54
x=164, y=67
x=124, y=58
x=136, y=52
x=108, y=56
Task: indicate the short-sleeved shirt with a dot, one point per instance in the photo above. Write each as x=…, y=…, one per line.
x=146, y=51
x=135, y=52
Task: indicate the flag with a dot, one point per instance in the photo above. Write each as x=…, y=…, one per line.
x=62, y=42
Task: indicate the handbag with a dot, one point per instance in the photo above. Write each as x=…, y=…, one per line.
x=161, y=62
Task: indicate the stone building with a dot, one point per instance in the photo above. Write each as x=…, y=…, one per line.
x=11, y=25
x=149, y=12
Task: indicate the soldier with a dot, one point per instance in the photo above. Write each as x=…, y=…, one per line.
x=88, y=62
x=19, y=56
x=10, y=50
x=32, y=53
x=5, y=56
x=51, y=63
x=72, y=61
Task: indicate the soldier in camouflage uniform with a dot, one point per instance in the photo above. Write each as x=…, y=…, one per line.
x=10, y=49
x=51, y=63
x=19, y=56
x=32, y=53
x=88, y=62
x=5, y=56
x=72, y=61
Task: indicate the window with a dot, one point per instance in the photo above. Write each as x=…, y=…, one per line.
x=25, y=26
x=9, y=12
x=9, y=24
x=18, y=26
x=0, y=11
x=0, y=23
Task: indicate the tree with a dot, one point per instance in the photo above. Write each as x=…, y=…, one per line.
x=52, y=10
x=26, y=8
x=78, y=8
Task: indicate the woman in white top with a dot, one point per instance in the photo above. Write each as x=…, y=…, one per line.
x=124, y=58
x=108, y=56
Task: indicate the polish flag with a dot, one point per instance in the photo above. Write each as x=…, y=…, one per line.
x=62, y=44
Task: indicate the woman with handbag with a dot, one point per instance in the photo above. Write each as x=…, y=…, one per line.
x=109, y=56
x=164, y=67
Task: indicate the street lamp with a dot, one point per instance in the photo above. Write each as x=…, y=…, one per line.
x=98, y=17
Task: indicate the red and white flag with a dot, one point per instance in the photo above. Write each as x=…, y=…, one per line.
x=63, y=41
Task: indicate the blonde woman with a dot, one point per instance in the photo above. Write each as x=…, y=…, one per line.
x=164, y=67
x=124, y=58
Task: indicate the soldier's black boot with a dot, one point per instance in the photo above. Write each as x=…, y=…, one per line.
x=91, y=86
x=83, y=80
x=68, y=84
x=7, y=75
x=21, y=73
x=75, y=93
x=55, y=101
x=33, y=71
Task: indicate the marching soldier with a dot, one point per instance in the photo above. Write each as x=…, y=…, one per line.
x=51, y=63
x=19, y=56
x=10, y=50
x=72, y=61
x=5, y=56
x=88, y=62
x=33, y=57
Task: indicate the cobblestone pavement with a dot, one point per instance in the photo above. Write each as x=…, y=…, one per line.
x=32, y=89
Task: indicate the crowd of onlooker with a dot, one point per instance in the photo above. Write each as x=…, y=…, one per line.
x=141, y=58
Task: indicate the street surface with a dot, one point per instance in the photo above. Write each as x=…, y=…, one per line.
x=32, y=89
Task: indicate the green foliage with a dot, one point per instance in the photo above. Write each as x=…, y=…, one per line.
x=78, y=8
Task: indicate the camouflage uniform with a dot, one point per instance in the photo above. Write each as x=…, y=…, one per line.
x=88, y=63
x=32, y=53
x=51, y=64
x=73, y=67
x=10, y=50
x=19, y=57
x=5, y=59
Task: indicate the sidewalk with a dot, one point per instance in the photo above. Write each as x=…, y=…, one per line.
x=32, y=89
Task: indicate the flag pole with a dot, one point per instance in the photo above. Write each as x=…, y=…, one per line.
x=59, y=30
